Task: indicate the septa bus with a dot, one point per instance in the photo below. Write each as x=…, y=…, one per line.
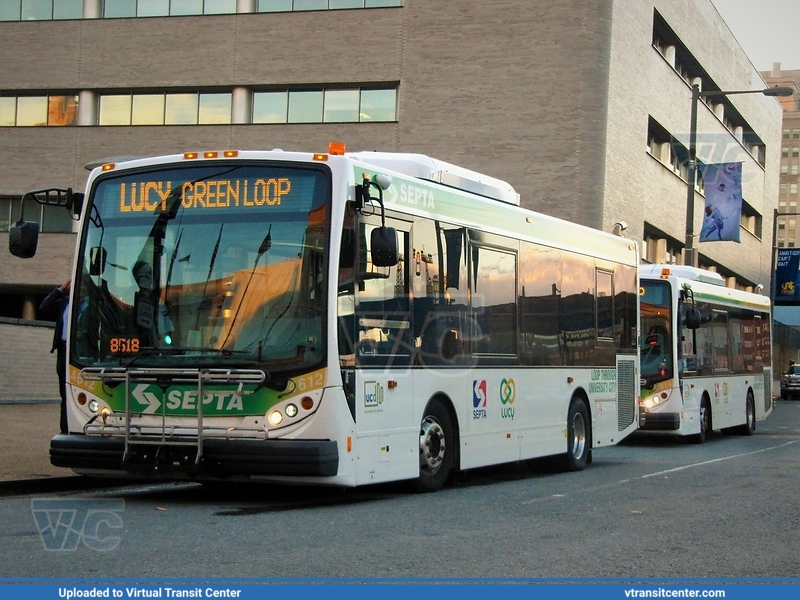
x=705, y=354
x=335, y=318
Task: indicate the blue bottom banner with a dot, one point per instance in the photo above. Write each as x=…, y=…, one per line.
x=545, y=589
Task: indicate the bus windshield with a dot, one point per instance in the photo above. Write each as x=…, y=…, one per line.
x=656, y=323
x=210, y=263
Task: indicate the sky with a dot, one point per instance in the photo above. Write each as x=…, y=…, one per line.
x=767, y=30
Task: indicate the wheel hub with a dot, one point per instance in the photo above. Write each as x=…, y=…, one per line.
x=431, y=445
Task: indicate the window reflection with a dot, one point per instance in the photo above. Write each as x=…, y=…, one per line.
x=62, y=110
x=215, y=109
x=346, y=4
x=305, y=107
x=274, y=5
x=378, y=105
x=115, y=110
x=119, y=8
x=186, y=7
x=148, y=109
x=31, y=111
x=10, y=11
x=37, y=10
x=270, y=107
x=219, y=7
x=67, y=9
x=341, y=106
x=310, y=4
x=180, y=109
x=8, y=112
x=152, y=8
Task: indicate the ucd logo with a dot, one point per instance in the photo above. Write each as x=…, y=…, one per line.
x=63, y=524
x=479, y=399
x=373, y=394
x=508, y=393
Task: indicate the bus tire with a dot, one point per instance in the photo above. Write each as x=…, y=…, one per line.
x=579, y=436
x=705, y=423
x=749, y=425
x=437, y=448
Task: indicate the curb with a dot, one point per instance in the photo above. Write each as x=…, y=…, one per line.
x=55, y=485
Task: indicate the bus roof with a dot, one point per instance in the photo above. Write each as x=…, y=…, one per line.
x=421, y=166
x=462, y=196
x=705, y=285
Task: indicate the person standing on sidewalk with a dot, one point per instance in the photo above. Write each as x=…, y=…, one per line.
x=58, y=301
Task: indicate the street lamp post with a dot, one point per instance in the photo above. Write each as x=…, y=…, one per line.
x=688, y=254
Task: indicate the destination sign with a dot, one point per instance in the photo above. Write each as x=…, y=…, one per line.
x=149, y=196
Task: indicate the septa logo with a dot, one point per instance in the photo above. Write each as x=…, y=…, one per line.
x=479, y=393
x=479, y=399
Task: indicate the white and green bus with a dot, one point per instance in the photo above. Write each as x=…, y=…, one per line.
x=336, y=318
x=705, y=354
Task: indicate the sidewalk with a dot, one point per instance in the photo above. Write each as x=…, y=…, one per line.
x=25, y=432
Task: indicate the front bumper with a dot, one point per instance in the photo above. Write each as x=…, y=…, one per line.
x=659, y=421
x=220, y=457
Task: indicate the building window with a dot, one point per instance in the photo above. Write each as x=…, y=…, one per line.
x=115, y=9
x=325, y=106
x=670, y=152
x=38, y=111
x=796, y=133
x=751, y=220
x=792, y=188
x=46, y=10
x=51, y=219
x=205, y=108
x=785, y=152
x=795, y=152
x=298, y=5
x=40, y=10
x=785, y=134
x=165, y=109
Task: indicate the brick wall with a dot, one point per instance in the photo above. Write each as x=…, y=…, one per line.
x=28, y=369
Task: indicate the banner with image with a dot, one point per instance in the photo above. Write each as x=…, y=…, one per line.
x=723, y=210
x=787, y=273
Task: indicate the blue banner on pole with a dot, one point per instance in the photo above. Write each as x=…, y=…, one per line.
x=723, y=210
x=787, y=274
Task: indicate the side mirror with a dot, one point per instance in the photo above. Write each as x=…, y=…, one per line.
x=691, y=319
x=75, y=202
x=383, y=245
x=23, y=238
x=97, y=260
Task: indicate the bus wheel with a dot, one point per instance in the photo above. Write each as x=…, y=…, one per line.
x=436, y=448
x=749, y=425
x=579, y=436
x=705, y=423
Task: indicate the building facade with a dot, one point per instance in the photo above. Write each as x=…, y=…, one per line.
x=583, y=106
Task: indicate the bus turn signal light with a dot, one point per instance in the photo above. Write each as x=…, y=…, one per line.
x=336, y=148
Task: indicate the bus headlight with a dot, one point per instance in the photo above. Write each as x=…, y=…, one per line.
x=291, y=410
x=93, y=405
x=275, y=417
x=655, y=400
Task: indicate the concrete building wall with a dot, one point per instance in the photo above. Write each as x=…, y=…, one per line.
x=642, y=85
x=29, y=370
x=553, y=97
